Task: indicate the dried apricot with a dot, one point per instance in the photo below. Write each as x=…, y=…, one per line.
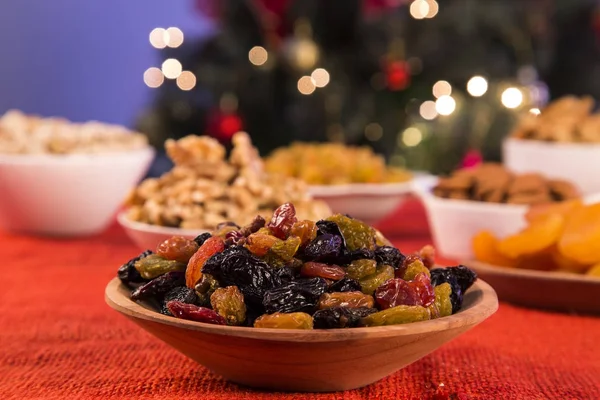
x=485, y=247
x=581, y=235
x=563, y=208
x=193, y=272
x=594, y=271
x=566, y=264
x=541, y=234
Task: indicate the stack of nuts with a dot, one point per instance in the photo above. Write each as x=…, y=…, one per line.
x=567, y=119
x=204, y=188
x=493, y=183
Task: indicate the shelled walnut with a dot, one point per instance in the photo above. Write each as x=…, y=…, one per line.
x=204, y=188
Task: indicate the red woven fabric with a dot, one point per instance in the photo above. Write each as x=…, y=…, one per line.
x=59, y=340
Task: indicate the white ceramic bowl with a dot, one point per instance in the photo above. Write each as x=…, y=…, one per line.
x=67, y=195
x=147, y=236
x=578, y=163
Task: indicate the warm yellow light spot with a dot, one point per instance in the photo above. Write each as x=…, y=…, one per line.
x=153, y=77
x=512, y=98
x=411, y=137
x=535, y=111
x=171, y=68
x=175, y=37
x=445, y=105
x=427, y=110
x=373, y=132
x=258, y=55
x=321, y=77
x=186, y=80
x=419, y=9
x=433, y=8
x=442, y=88
x=477, y=86
x=306, y=85
x=159, y=38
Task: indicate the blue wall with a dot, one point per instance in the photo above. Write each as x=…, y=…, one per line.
x=84, y=59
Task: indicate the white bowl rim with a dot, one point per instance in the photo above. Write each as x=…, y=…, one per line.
x=45, y=158
x=553, y=145
x=157, y=229
x=480, y=309
x=369, y=189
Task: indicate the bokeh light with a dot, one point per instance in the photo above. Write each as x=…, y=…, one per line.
x=159, y=38
x=186, y=80
x=512, y=97
x=441, y=88
x=433, y=8
x=306, y=85
x=445, y=105
x=477, y=86
x=320, y=77
x=373, y=132
x=411, y=137
x=153, y=77
x=171, y=68
x=174, y=37
x=535, y=111
x=258, y=55
x=427, y=110
x=419, y=9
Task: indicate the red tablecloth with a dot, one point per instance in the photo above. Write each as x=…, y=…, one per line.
x=59, y=340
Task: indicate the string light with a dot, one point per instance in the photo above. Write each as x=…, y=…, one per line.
x=477, y=86
x=411, y=137
x=445, y=105
x=419, y=9
x=427, y=110
x=320, y=77
x=174, y=37
x=153, y=77
x=306, y=85
x=258, y=55
x=159, y=38
x=186, y=80
x=535, y=111
x=373, y=132
x=442, y=88
x=171, y=68
x=512, y=98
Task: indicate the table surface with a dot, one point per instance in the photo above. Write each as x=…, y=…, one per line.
x=59, y=340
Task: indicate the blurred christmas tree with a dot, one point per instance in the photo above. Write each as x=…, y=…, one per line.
x=423, y=83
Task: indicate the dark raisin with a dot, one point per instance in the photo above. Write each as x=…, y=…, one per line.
x=460, y=279
x=205, y=288
x=127, y=272
x=226, y=224
x=390, y=256
x=331, y=228
x=345, y=285
x=282, y=221
x=158, y=287
x=348, y=256
x=301, y=295
x=324, y=248
x=182, y=294
x=254, y=226
x=200, y=239
x=340, y=317
x=195, y=313
x=284, y=275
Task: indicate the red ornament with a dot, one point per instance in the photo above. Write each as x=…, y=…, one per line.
x=397, y=75
x=223, y=126
x=472, y=159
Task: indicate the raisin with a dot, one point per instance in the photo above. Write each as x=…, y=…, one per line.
x=359, y=269
x=372, y=282
x=427, y=254
x=225, y=228
x=397, y=315
x=348, y=256
x=177, y=248
x=194, y=313
x=229, y=303
x=458, y=277
x=284, y=275
x=390, y=256
x=330, y=228
x=340, y=317
x=200, y=239
x=298, y=295
x=259, y=244
x=210, y=247
x=413, y=269
x=314, y=269
x=442, y=306
x=345, y=285
x=157, y=287
x=285, y=250
x=205, y=288
x=356, y=233
x=396, y=292
x=154, y=265
x=257, y=223
x=236, y=266
x=306, y=230
x=297, y=320
x=324, y=248
x=227, y=224
x=282, y=221
x=345, y=299
x=182, y=294
x=234, y=238
x=127, y=272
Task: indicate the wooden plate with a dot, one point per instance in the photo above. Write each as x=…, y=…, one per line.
x=542, y=289
x=311, y=360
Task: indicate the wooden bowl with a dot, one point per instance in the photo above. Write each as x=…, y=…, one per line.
x=307, y=361
x=552, y=290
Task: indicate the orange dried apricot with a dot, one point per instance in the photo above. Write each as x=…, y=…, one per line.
x=581, y=235
x=541, y=261
x=563, y=208
x=541, y=234
x=566, y=264
x=485, y=247
x=594, y=271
